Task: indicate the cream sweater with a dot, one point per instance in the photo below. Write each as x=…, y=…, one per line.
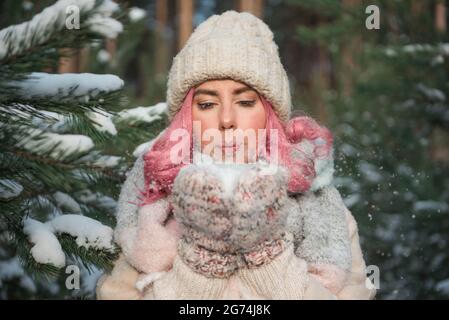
x=286, y=277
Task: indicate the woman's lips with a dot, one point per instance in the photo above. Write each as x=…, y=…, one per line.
x=232, y=147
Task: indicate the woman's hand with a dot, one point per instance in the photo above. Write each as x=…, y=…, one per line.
x=258, y=212
x=201, y=208
x=222, y=233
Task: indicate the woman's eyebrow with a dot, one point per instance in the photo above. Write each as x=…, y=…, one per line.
x=215, y=93
x=241, y=90
x=206, y=91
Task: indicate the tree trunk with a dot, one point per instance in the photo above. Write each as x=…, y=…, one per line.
x=160, y=37
x=185, y=21
x=253, y=6
x=440, y=16
x=350, y=48
x=69, y=64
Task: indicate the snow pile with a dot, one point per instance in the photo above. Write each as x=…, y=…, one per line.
x=99, y=200
x=439, y=48
x=96, y=159
x=144, y=114
x=19, y=111
x=19, y=38
x=144, y=147
x=417, y=47
x=58, y=145
x=87, y=232
x=49, y=120
x=431, y=93
x=11, y=269
x=9, y=189
x=56, y=122
x=108, y=27
x=141, y=148
x=103, y=56
x=44, y=138
x=54, y=86
x=136, y=14
x=46, y=249
x=103, y=121
x=102, y=23
x=64, y=201
x=443, y=286
x=430, y=205
x=107, y=161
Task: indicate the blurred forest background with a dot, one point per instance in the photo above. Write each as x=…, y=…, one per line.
x=383, y=93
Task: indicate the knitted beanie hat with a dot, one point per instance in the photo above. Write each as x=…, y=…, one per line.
x=233, y=45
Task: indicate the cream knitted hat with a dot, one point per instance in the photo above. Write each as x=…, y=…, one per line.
x=235, y=45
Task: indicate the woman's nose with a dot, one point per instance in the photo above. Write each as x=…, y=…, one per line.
x=227, y=118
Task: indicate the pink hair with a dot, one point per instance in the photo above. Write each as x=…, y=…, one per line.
x=160, y=171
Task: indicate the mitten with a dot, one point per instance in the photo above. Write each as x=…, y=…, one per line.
x=200, y=207
x=223, y=231
x=258, y=211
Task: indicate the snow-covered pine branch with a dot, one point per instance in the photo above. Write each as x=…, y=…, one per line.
x=56, y=145
x=52, y=144
x=9, y=189
x=18, y=38
x=57, y=86
x=144, y=147
x=143, y=114
x=81, y=86
x=88, y=233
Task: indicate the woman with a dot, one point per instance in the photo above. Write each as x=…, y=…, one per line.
x=185, y=234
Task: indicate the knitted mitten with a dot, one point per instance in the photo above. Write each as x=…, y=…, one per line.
x=258, y=211
x=200, y=207
x=224, y=231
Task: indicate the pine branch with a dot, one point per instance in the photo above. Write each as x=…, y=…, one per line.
x=102, y=259
x=42, y=35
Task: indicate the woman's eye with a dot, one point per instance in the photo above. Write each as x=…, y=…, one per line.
x=247, y=103
x=205, y=105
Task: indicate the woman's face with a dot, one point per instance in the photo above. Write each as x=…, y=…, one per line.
x=229, y=114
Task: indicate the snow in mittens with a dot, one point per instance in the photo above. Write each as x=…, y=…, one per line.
x=227, y=172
